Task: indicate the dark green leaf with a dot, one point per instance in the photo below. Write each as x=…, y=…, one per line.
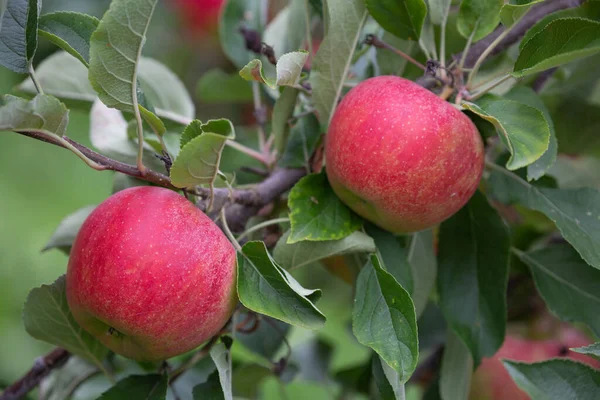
x=66, y=232
x=238, y=13
x=473, y=276
x=393, y=255
x=422, y=260
x=266, y=288
x=561, y=41
x=209, y=390
x=403, y=18
x=383, y=318
x=70, y=31
x=478, y=18
x=43, y=114
x=18, y=34
x=316, y=213
x=222, y=359
x=138, y=387
x=557, y=379
x=47, y=317
x=303, y=139
x=115, y=51
x=576, y=212
x=266, y=339
x=332, y=61
x=282, y=111
x=559, y=274
x=592, y=350
x=216, y=86
x=522, y=128
x=198, y=161
x=528, y=97
x=456, y=369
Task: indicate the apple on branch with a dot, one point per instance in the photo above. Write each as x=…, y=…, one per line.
x=400, y=156
x=150, y=275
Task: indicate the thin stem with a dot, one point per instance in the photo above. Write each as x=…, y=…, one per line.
x=380, y=44
x=82, y=156
x=308, y=28
x=258, y=114
x=199, y=355
x=262, y=225
x=227, y=231
x=36, y=83
x=247, y=150
x=480, y=93
x=465, y=52
x=484, y=55
x=443, y=42
x=492, y=79
x=140, y=134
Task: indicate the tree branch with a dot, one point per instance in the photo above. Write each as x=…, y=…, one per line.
x=40, y=369
x=536, y=13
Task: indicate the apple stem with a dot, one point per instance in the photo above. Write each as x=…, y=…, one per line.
x=227, y=231
x=261, y=226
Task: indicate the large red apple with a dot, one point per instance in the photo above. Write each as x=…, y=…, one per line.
x=492, y=381
x=400, y=156
x=199, y=16
x=150, y=275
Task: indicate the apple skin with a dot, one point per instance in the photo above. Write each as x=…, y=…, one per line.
x=150, y=275
x=199, y=16
x=491, y=381
x=400, y=156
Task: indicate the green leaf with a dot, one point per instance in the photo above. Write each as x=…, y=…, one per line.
x=219, y=87
x=47, y=317
x=235, y=13
x=561, y=41
x=383, y=318
x=557, y=379
x=192, y=131
x=75, y=373
x=456, y=369
x=71, y=31
x=387, y=380
x=115, y=51
x=44, y=114
x=527, y=96
x=199, y=159
x=282, y=111
x=559, y=273
x=66, y=232
x=138, y=387
x=478, y=18
x=422, y=259
x=389, y=62
x=438, y=10
x=510, y=14
x=266, y=288
x=332, y=62
x=287, y=31
x=73, y=88
x=18, y=34
x=592, y=350
x=288, y=70
x=576, y=212
x=165, y=91
x=403, y=18
x=302, y=142
x=222, y=359
x=392, y=255
x=473, y=276
x=523, y=129
x=316, y=213
x=295, y=255
x=209, y=390
x=261, y=340
x=588, y=10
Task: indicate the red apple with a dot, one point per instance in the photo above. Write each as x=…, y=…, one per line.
x=199, y=16
x=150, y=275
x=492, y=381
x=400, y=156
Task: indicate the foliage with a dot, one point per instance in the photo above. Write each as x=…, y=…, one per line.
x=527, y=223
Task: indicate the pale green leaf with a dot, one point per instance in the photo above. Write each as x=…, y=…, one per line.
x=44, y=114
x=138, y=387
x=288, y=70
x=510, y=14
x=456, y=369
x=478, y=18
x=66, y=232
x=282, y=112
x=422, y=260
x=222, y=359
x=592, y=350
x=287, y=31
x=216, y=86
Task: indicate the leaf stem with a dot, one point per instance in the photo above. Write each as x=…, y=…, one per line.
x=495, y=84
x=443, y=41
x=380, y=44
x=261, y=226
x=247, y=150
x=227, y=231
x=34, y=79
x=82, y=156
x=308, y=28
x=465, y=52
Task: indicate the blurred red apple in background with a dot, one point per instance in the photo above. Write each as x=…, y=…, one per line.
x=199, y=16
x=491, y=381
x=400, y=156
x=150, y=275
